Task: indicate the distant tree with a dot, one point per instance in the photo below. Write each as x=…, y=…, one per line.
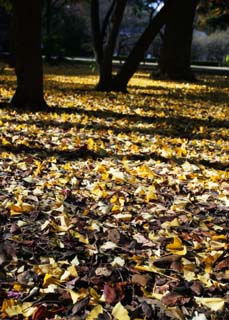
x=213, y=14
x=27, y=46
x=175, y=54
x=64, y=28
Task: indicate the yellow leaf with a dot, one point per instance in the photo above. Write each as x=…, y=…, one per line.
x=49, y=279
x=177, y=247
x=94, y=294
x=150, y=194
x=215, y=304
x=219, y=237
x=90, y=144
x=75, y=296
x=145, y=172
x=4, y=141
x=152, y=295
x=17, y=210
x=72, y=271
x=18, y=287
x=26, y=309
x=99, y=190
x=119, y=312
x=93, y=315
x=80, y=237
x=7, y=303
x=147, y=268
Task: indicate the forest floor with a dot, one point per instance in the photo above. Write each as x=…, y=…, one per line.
x=115, y=206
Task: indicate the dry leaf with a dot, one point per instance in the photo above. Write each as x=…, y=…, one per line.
x=119, y=312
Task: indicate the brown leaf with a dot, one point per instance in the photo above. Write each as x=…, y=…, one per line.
x=114, y=235
x=41, y=313
x=109, y=294
x=166, y=261
x=197, y=287
x=141, y=279
x=173, y=298
x=176, y=266
x=224, y=264
x=27, y=278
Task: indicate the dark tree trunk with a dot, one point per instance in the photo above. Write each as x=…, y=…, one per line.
x=120, y=81
x=97, y=38
x=105, y=80
x=27, y=42
x=105, y=40
x=175, y=54
x=137, y=54
x=48, y=31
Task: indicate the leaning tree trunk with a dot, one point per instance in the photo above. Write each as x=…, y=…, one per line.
x=27, y=42
x=175, y=54
x=137, y=54
x=120, y=81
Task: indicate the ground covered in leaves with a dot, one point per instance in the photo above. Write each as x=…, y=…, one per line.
x=115, y=206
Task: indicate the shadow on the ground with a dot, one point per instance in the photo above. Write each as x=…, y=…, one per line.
x=84, y=153
x=173, y=127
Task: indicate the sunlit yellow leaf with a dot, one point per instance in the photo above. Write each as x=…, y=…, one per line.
x=119, y=312
x=18, y=287
x=95, y=312
x=79, y=236
x=6, y=304
x=215, y=304
x=177, y=247
x=94, y=294
x=75, y=296
x=90, y=144
x=49, y=279
x=11, y=309
x=17, y=210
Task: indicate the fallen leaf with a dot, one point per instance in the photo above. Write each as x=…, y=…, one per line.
x=119, y=312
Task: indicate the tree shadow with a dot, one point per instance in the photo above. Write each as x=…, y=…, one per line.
x=177, y=126
x=83, y=153
x=180, y=94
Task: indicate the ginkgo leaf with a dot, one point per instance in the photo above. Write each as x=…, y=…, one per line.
x=119, y=312
x=215, y=304
x=95, y=312
x=118, y=262
x=177, y=247
x=49, y=279
x=26, y=309
x=75, y=296
x=108, y=246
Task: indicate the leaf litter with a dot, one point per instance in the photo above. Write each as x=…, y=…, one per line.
x=115, y=206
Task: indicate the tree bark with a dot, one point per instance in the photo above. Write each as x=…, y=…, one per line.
x=28, y=67
x=137, y=53
x=97, y=38
x=120, y=81
x=105, y=66
x=175, y=54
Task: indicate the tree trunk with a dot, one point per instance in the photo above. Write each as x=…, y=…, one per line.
x=97, y=38
x=48, y=17
x=105, y=58
x=137, y=54
x=27, y=35
x=175, y=54
x=120, y=81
